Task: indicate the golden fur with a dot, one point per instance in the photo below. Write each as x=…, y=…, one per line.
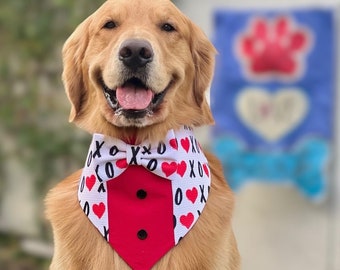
x=183, y=63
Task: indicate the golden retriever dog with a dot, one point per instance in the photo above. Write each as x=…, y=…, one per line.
x=134, y=70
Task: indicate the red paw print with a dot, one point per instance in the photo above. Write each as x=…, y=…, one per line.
x=274, y=48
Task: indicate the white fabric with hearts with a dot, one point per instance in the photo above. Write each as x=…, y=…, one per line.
x=179, y=159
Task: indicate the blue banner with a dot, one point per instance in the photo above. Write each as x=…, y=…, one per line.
x=273, y=93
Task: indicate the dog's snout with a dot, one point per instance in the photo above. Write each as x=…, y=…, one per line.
x=135, y=53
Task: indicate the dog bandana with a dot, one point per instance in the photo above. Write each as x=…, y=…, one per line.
x=144, y=198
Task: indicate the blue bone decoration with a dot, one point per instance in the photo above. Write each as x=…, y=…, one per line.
x=304, y=165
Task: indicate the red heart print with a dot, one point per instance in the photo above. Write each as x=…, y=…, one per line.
x=121, y=163
x=90, y=181
x=181, y=168
x=187, y=220
x=185, y=144
x=174, y=144
x=192, y=194
x=206, y=169
x=169, y=168
x=98, y=209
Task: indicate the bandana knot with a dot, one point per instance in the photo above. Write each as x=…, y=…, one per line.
x=146, y=155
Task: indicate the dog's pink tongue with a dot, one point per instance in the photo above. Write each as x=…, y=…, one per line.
x=134, y=98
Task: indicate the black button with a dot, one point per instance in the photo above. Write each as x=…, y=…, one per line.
x=142, y=234
x=141, y=194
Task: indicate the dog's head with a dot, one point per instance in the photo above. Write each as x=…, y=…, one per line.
x=138, y=65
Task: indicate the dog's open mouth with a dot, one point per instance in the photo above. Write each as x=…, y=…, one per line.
x=133, y=99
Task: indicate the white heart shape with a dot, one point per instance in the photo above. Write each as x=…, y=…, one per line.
x=272, y=115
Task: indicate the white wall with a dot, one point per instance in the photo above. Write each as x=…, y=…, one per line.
x=276, y=228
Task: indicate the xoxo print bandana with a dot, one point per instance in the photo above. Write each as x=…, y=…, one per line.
x=144, y=198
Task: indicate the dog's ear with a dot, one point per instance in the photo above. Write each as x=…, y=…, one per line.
x=203, y=53
x=73, y=53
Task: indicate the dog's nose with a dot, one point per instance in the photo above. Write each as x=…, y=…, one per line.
x=135, y=53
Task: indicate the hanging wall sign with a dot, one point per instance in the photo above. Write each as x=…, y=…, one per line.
x=273, y=96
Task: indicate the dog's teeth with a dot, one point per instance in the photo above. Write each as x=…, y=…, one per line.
x=108, y=98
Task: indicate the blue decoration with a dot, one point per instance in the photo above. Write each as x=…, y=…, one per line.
x=304, y=165
x=273, y=96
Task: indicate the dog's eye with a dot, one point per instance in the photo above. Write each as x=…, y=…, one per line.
x=110, y=25
x=167, y=27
